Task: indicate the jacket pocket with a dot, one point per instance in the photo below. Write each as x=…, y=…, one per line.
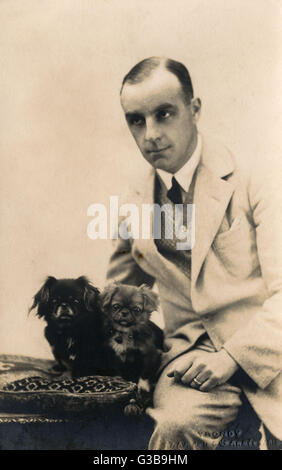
x=236, y=248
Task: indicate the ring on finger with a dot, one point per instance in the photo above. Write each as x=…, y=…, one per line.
x=197, y=382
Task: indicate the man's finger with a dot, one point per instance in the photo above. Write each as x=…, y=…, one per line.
x=180, y=367
x=170, y=373
x=203, y=376
x=190, y=374
x=208, y=385
x=175, y=375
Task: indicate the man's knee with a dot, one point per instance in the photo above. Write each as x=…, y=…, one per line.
x=179, y=423
x=169, y=433
x=185, y=433
x=186, y=418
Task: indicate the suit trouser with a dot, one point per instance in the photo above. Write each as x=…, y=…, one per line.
x=186, y=418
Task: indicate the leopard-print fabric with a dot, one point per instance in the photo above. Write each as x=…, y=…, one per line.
x=27, y=386
x=91, y=384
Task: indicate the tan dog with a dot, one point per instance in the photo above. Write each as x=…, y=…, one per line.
x=133, y=343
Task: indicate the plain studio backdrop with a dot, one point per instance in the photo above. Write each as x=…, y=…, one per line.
x=64, y=142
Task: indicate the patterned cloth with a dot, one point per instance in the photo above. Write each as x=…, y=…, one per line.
x=27, y=385
x=95, y=384
x=166, y=240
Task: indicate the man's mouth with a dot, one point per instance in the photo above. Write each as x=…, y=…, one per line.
x=157, y=151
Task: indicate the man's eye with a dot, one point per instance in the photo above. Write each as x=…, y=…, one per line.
x=163, y=115
x=136, y=121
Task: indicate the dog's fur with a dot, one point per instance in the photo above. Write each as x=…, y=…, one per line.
x=133, y=343
x=71, y=310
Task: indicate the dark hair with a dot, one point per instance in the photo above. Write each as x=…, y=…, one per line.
x=144, y=69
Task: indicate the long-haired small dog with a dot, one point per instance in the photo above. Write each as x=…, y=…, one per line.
x=133, y=343
x=71, y=310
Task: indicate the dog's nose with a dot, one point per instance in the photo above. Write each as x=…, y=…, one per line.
x=125, y=313
x=63, y=310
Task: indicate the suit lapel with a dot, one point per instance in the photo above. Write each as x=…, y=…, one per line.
x=211, y=197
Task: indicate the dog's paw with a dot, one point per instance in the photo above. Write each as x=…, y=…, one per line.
x=57, y=369
x=133, y=409
x=143, y=386
x=145, y=393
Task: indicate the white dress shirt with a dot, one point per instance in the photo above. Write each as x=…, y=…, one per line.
x=185, y=174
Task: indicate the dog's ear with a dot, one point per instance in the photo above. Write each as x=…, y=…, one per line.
x=105, y=298
x=151, y=299
x=91, y=293
x=43, y=295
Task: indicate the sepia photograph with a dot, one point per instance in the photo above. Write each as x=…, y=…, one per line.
x=141, y=220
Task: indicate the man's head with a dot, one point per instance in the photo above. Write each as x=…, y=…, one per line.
x=157, y=99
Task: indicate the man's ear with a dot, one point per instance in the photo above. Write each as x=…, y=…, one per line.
x=196, y=108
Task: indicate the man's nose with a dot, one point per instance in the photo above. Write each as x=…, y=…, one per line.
x=153, y=131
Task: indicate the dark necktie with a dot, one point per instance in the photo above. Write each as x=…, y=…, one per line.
x=174, y=193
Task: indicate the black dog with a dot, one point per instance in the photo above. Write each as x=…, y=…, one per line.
x=132, y=342
x=71, y=310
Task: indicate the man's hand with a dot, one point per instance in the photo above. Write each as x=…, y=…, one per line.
x=204, y=370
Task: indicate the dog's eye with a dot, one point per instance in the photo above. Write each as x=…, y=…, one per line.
x=54, y=301
x=116, y=307
x=136, y=309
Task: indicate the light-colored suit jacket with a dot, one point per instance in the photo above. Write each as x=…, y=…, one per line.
x=236, y=278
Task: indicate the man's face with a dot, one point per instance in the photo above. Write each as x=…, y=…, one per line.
x=161, y=122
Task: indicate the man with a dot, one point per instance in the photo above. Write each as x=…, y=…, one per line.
x=221, y=301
